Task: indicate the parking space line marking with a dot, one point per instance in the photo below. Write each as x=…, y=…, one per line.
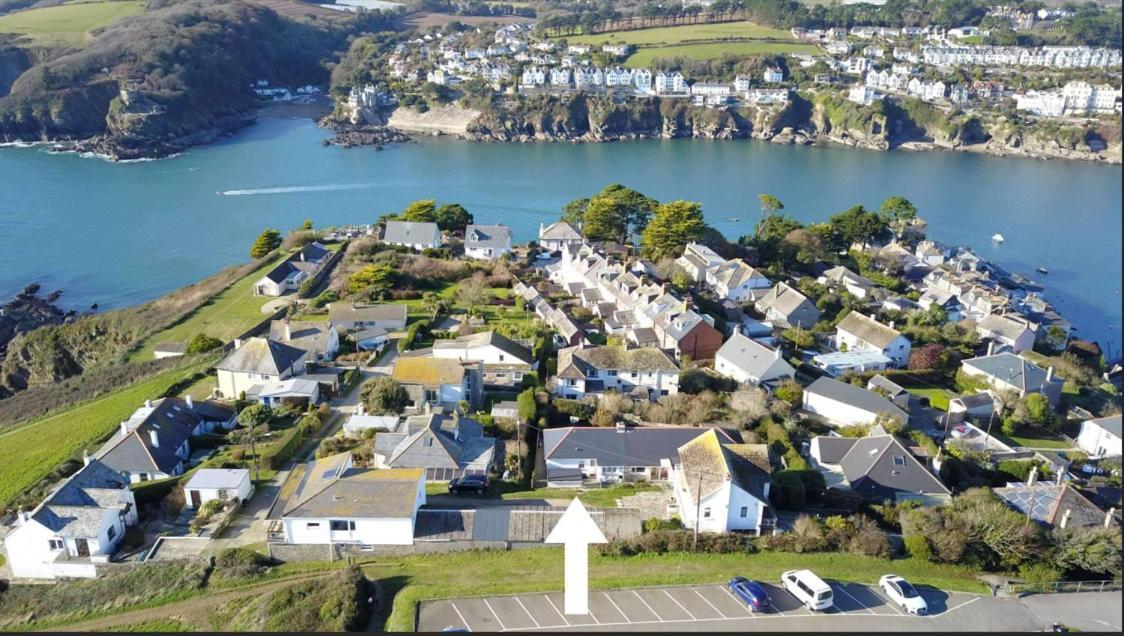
x=703, y=620
x=494, y=615
x=844, y=590
x=673, y=600
x=962, y=605
x=556, y=609
x=712, y=606
x=738, y=601
x=889, y=602
x=650, y=609
x=590, y=613
x=618, y=608
x=460, y=616
x=524, y=607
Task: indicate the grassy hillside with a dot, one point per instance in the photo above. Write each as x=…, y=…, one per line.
x=68, y=24
x=699, y=41
x=712, y=50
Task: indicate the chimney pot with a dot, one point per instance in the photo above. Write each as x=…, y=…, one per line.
x=1033, y=478
x=124, y=428
x=991, y=348
x=1108, y=517
x=148, y=404
x=891, y=324
x=85, y=458
x=237, y=343
x=1050, y=373
x=1065, y=519
x=190, y=402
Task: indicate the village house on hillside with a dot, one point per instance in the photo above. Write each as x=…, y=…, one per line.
x=1010, y=332
x=721, y=486
x=858, y=332
x=750, y=362
x=1053, y=505
x=576, y=454
x=786, y=307
x=689, y=334
x=879, y=468
x=256, y=363
x=288, y=275
x=336, y=502
x=645, y=374
x=440, y=382
x=1009, y=372
x=319, y=340
x=357, y=317
x=418, y=236
x=556, y=236
x=1100, y=437
x=487, y=241
x=505, y=361
x=843, y=404
x=444, y=452
x=76, y=528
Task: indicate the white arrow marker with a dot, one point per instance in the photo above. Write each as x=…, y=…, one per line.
x=576, y=530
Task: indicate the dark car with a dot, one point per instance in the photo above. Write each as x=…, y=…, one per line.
x=751, y=593
x=469, y=483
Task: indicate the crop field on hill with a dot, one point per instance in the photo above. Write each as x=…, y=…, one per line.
x=67, y=24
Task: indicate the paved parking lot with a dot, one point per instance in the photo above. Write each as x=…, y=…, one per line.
x=710, y=607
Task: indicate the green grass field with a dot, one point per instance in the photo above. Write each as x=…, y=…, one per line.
x=705, y=51
x=598, y=497
x=68, y=24
x=33, y=450
x=229, y=313
x=679, y=34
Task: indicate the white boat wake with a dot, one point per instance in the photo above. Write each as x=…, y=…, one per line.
x=291, y=189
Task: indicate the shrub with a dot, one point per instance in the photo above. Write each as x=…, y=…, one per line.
x=240, y=562
x=918, y=547
x=791, y=392
x=201, y=343
x=573, y=408
x=660, y=541
x=655, y=523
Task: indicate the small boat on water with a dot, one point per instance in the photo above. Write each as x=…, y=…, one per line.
x=1042, y=270
x=732, y=219
x=997, y=237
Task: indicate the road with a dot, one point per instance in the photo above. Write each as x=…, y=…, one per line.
x=713, y=608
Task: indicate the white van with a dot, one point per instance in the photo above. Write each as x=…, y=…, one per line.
x=808, y=588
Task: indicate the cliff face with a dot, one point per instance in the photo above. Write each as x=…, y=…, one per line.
x=594, y=118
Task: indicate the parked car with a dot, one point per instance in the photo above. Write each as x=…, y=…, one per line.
x=752, y=593
x=807, y=588
x=477, y=484
x=905, y=595
x=610, y=479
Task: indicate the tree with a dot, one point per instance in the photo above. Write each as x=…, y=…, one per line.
x=1035, y=409
x=251, y=417
x=373, y=279
x=574, y=212
x=434, y=305
x=384, y=396
x=615, y=214
x=930, y=356
x=201, y=342
x=266, y=242
x=769, y=204
x=472, y=292
x=307, y=225
x=791, y=392
x=673, y=226
x=898, y=208
x=424, y=210
x=889, y=422
x=1056, y=336
x=1092, y=551
x=857, y=225
x=528, y=405
x=452, y=217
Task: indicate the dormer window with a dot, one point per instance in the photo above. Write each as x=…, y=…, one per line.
x=57, y=544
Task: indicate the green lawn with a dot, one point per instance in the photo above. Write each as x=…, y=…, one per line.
x=33, y=450
x=229, y=313
x=1038, y=438
x=678, y=34
x=68, y=24
x=938, y=398
x=597, y=497
x=710, y=50
x=430, y=577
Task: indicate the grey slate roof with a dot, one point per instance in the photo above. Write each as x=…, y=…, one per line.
x=560, y=231
x=832, y=450
x=213, y=478
x=410, y=232
x=867, y=329
x=1012, y=369
x=1110, y=424
x=880, y=467
x=577, y=362
x=882, y=382
x=755, y=358
x=261, y=356
x=345, y=312
x=854, y=396
x=331, y=487
x=134, y=452
x=77, y=507
x=493, y=236
x=310, y=336
x=634, y=446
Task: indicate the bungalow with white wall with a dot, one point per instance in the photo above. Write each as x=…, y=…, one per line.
x=335, y=502
x=505, y=361
x=645, y=373
x=357, y=316
x=76, y=528
x=749, y=362
x=843, y=404
x=575, y=454
x=288, y=275
x=223, y=484
x=257, y=362
x=720, y=486
x=1009, y=372
x=440, y=382
x=857, y=332
x=416, y=235
x=1100, y=437
x=487, y=242
x=556, y=236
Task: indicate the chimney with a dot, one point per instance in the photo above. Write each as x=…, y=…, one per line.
x=302, y=255
x=541, y=228
x=148, y=404
x=124, y=429
x=1033, y=478
x=24, y=516
x=288, y=330
x=1050, y=373
x=154, y=438
x=1108, y=517
x=1061, y=477
x=891, y=324
x=777, y=353
x=1065, y=519
x=991, y=348
x=85, y=458
x=190, y=403
x=237, y=343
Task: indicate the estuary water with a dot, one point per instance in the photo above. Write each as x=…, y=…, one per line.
x=120, y=234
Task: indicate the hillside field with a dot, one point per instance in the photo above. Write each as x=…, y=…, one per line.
x=67, y=24
x=699, y=41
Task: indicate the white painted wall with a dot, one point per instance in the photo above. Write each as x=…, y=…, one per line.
x=837, y=413
x=242, y=491
x=1097, y=442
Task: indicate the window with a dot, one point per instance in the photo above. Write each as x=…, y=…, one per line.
x=501, y=357
x=143, y=476
x=57, y=544
x=612, y=373
x=638, y=469
x=745, y=511
x=223, y=494
x=429, y=441
x=312, y=524
x=341, y=525
x=111, y=533
x=706, y=512
x=899, y=460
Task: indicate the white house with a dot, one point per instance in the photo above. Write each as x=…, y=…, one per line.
x=77, y=527
x=335, y=502
x=736, y=281
x=288, y=275
x=721, y=487
x=436, y=381
x=372, y=339
x=319, y=340
x=1100, y=437
x=255, y=362
x=299, y=392
x=843, y=404
x=670, y=83
x=750, y=362
x=217, y=483
x=505, y=361
x=575, y=454
x=1010, y=332
x=697, y=259
x=857, y=332
x=1009, y=372
x=644, y=373
x=357, y=317
x=773, y=74
x=487, y=241
x=415, y=235
x=642, y=80
x=558, y=235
